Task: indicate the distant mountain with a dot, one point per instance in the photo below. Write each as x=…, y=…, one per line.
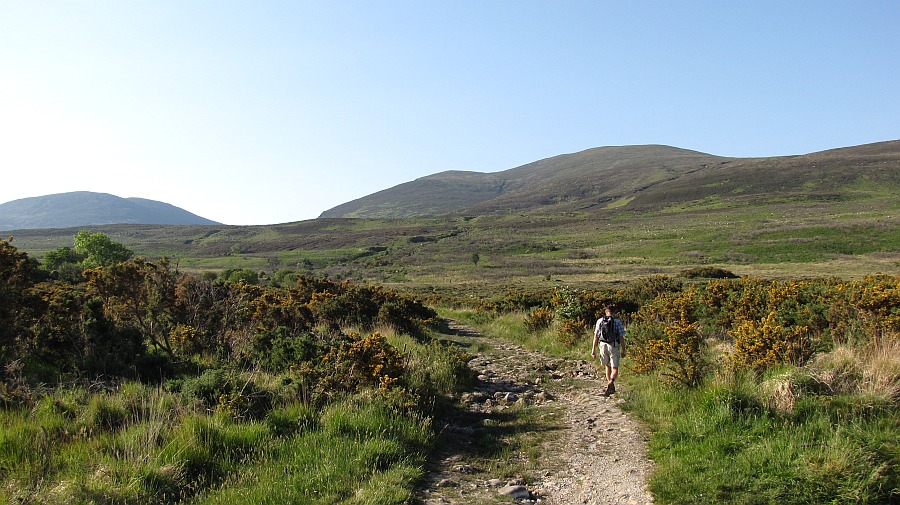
x=633, y=177
x=84, y=208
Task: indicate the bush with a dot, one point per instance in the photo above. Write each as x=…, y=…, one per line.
x=358, y=362
x=708, y=273
x=648, y=288
x=539, y=318
x=762, y=344
x=571, y=332
x=207, y=387
x=277, y=350
x=667, y=338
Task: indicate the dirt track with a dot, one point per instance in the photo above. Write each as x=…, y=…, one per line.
x=589, y=451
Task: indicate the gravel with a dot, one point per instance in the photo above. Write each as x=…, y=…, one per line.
x=596, y=453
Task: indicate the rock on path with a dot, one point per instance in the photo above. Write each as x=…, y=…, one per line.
x=597, y=457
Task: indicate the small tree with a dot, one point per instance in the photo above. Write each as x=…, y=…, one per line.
x=99, y=250
x=245, y=275
x=476, y=258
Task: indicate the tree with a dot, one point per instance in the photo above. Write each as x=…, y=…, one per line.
x=475, y=258
x=99, y=250
x=233, y=275
x=64, y=264
x=138, y=294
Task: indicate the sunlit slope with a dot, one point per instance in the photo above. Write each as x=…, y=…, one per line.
x=635, y=177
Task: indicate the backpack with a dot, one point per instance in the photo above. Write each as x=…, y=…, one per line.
x=608, y=330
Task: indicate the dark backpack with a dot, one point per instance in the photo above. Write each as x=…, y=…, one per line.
x=608, y=330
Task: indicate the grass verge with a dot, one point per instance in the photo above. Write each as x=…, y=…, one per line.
x=724, y=443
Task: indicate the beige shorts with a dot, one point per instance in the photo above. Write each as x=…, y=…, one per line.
x=609, y=354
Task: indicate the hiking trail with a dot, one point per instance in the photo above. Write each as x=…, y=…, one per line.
x=589, y=451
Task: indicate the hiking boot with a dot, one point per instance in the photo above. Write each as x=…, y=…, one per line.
x=610, y=389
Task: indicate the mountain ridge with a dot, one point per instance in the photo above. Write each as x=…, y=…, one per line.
x=622, y=176
x=87, y=208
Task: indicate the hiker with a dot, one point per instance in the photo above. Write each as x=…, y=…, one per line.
x=610, y=335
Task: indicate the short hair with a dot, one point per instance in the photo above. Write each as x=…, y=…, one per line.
x=609, y=308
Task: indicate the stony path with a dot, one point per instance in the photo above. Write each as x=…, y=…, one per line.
x=591, y=451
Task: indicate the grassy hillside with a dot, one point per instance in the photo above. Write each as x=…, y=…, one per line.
x=770, y=237
x=599, y=172
x=827, y=214
x=636, y=178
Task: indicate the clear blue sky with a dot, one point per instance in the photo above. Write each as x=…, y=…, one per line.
x=274, y=111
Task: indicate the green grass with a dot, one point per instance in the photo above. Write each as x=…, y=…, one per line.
x=143, y=444
x=363, y=453
x=357, y=451
x=730, y=442
x=781, y=235
x=511, y=327
x=723, y=445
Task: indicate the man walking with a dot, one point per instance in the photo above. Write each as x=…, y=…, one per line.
x=609, y=333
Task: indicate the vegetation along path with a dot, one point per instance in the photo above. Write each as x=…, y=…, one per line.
x=536, y=429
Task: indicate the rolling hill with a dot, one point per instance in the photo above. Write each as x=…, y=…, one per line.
x=633, y=178
x=604, y=215
x=83, y=208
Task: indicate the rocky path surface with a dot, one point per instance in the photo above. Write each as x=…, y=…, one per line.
x=588, y=450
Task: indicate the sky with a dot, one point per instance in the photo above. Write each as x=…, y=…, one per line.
x=253, y=113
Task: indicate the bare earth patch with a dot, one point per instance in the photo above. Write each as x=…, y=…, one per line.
x=538, y=430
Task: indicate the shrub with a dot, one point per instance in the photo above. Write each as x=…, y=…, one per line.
x=648, y=288
x=539, y=318
x=679, y=355
x=878, y=298
x=236, y=275
x=277, y=350
x=245, y=400
x=207, y=387
x=765, y=343
x=360, y=362
x=708, y=273
x=570, y=332
x=666, y=337
x=573, y=315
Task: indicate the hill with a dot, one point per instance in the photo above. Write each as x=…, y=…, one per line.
x=834, y=213
x=84, y=208
x=632, y=177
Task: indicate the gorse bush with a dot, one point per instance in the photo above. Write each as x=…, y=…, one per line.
x=141, y=319
x=763, y=323
x=539, y=318
x=666, y=337
x=804, y=391
x=246, y=373
x=766, y=343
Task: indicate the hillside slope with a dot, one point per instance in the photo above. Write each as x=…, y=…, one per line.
x=83, y=208
x=632, y=177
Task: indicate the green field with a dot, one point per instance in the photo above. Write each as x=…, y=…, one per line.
x=772, y=238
